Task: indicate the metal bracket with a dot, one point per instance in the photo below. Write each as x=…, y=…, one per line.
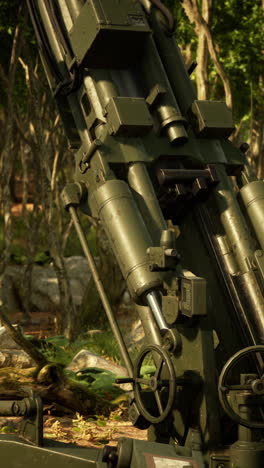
x=193, y=295
x=162, y=259
x=31, y=426
x=31, y=410
x=84, y=163
x=155, y=93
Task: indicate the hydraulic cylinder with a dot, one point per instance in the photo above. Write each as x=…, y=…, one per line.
x=146, y=199
x=114, y=204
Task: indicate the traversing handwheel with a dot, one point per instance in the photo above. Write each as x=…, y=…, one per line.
x=163, y=380
x=253, y=387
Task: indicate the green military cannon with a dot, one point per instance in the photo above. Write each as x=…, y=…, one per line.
x=149, y=156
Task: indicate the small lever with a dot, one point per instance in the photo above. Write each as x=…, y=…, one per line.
x=124, y=380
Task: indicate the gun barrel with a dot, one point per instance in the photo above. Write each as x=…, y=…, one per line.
x=253, y=197
x=243, y=246
x=172, y=60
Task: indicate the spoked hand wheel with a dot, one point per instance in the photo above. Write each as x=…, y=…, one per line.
x=161, y=386
x=253, y=387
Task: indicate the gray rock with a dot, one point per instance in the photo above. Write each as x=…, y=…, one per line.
x=11, y=355
x=6, y=340
x=84, y=359
x=79, y=275
x=9, y=295
x=45, y=291
x=136, y=336
x=78, y=268
x=126, y=299
x=16, y=358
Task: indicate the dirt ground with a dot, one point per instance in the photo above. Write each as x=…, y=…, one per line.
x=82, y=432
x=87, y=432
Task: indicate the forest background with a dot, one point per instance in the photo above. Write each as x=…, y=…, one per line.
x=226, y=39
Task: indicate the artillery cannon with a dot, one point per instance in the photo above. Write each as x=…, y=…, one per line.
x=150, y=156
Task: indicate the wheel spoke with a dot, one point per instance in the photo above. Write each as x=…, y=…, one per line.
x=158, y=400
x=235, y=388
x=159, y=368
x=260, y=362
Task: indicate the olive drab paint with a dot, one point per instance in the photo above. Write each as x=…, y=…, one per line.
x=184, y=216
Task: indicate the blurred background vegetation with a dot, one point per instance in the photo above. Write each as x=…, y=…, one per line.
x=226, y=39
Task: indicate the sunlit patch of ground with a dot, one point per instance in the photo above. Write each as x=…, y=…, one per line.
x=80, y=431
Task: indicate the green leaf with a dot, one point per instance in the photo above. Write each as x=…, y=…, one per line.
x=59, y=340
x=101, y=423
x=147, y=370
x=6, y=429
x=42, y=258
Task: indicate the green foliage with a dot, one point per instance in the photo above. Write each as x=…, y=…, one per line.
x=147, y=370
x=238, y=32
x=8, y=20
x=73, y=246
x=101, y=382
x=238, y=29
x=12, y=14
x=60, y=350
x=103, y=344
x=42, y=258
x=7, y=429
x=19, y=249
x=184, y=31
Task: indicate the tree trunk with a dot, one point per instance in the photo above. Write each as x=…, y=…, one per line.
x=192, y=10
x=202, y=77
x=42, y=135
x=6, y=159
x=46, y=379
x=50, y=384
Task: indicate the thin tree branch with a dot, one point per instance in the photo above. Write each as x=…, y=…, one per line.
x=17, y=336
x=192, y=10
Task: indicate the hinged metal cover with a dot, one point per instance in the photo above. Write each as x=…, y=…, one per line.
x=193, y=296
x=108, y=33
x=128, y=116
x=213, y=119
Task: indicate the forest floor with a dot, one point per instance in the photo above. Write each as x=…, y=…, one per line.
x=94, y=431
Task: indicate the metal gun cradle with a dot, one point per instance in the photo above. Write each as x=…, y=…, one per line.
x=147, y=151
